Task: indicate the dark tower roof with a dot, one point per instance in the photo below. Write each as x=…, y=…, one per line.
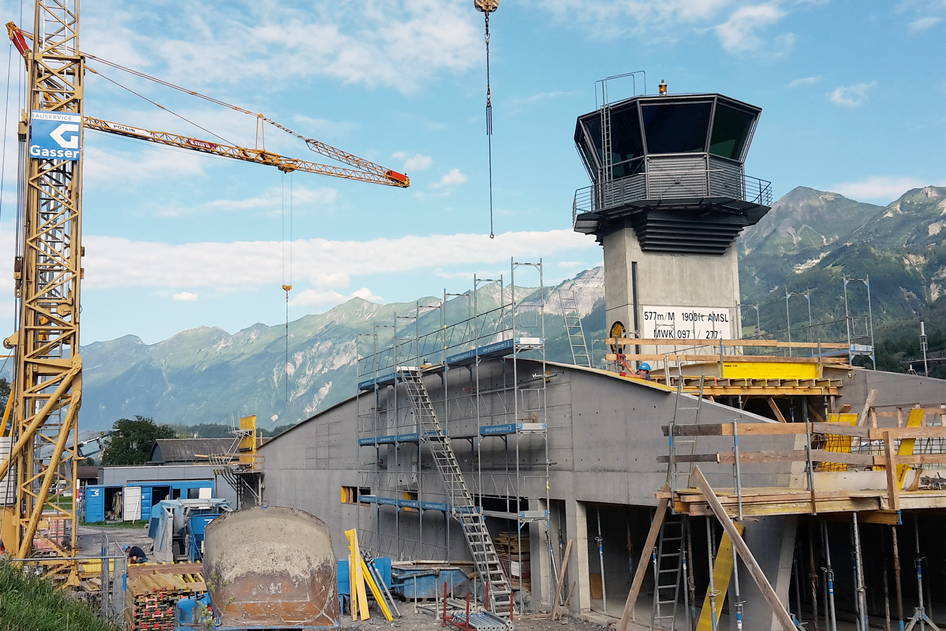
x=673, y=167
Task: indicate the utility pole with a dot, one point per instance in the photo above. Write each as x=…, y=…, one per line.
x=923, y=348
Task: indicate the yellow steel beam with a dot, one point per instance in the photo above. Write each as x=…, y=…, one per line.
x=722, y=575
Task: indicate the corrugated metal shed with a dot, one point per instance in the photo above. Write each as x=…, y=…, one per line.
x=187, y=450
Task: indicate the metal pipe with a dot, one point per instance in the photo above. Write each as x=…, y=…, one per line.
x=712, y=588
x=918, y=564
x=685, y=567
x=859, y=575
x=736, y=595
x=691, y=582
x=600, y=542
x=829, y=578
x=813, y=577
x=737, y=468
x=883, y=569
x=898, y=588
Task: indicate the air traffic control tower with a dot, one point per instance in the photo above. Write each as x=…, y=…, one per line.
x=668, y=199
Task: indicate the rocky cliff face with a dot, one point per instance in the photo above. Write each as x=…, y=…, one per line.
x=208, y=375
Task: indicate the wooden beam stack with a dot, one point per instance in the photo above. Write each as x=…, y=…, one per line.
x=517, y=565
x=153, y=595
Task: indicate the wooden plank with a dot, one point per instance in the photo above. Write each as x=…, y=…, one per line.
x=722, y=574
x=893, y=482
x=562, y=573
x=841, y=425
x=930, y=431
x=779, y=429
x=642, y=564
x=710, y=358
x=775, y=410
x=647, y=341
x=744, y=553
x=815, y=414
x=868, y=405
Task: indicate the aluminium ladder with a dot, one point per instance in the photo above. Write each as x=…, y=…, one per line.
x=462, y=507
x=574, y=329
x=667, y=559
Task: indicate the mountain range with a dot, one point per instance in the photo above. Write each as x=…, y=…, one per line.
x=809, y=242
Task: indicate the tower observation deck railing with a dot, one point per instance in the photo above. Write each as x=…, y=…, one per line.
x=660, y=184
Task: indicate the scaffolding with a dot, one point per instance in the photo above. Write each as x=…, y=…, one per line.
x=481, y=356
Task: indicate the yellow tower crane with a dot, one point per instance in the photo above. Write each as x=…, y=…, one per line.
x=39, y=447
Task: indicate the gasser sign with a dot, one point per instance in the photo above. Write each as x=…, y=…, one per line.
x=55, y=135
x=686, y=323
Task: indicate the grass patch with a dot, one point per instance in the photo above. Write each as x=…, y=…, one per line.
x=31, y=602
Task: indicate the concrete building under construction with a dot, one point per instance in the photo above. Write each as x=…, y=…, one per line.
x=816, y=480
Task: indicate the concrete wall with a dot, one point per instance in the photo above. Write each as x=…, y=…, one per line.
x=893, y=389
x=666, y=279
x=122, y=476
x=603, y=438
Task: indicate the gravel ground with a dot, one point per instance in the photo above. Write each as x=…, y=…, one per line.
x=425, y=622
x=90, y=539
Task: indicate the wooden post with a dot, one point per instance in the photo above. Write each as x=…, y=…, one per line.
x=868, y=405
x=893, y=481
x=776, y=411
x=562, y=572
x=628, y=614
x=743, y=550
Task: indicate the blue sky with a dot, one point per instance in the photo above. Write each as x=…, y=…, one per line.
x=853, y=92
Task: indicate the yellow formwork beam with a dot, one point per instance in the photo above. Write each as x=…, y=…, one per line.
x=358, y=597
x=722, y=575
x=375, y=591
x=914, y=419
x=838, y=443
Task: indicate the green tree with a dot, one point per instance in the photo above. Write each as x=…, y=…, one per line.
x=4, y=393
x=130, y=440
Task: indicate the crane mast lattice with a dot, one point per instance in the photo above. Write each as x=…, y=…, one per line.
x=42, y=436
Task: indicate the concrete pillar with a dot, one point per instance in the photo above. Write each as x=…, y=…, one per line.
x=576, y=528
x=772, y=542
x=543, y=579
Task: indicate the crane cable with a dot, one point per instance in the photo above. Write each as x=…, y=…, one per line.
x=487, y=9
x=159, y=106
x=287, y=264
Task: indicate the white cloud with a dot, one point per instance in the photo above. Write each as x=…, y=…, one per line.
x=119, y=168
x=803, y=81
x=570, y=264
x=924, y=23
x=369, y=43
x=320, y=298
x=413, y=162
x=113, y=262
x=453, y=177
x=523, y=101
x=741, y=33
x=654, y=20
x=302, y=198
x=853, y=95
x=184, y=296
x=880, y=187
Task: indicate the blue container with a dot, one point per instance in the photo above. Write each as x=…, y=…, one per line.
x=94, y=507
x=427, y=584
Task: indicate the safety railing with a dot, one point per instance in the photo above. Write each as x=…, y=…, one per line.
x=659, y=184
x=903, y=453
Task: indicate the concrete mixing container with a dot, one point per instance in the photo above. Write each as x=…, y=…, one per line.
x=271, y=567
